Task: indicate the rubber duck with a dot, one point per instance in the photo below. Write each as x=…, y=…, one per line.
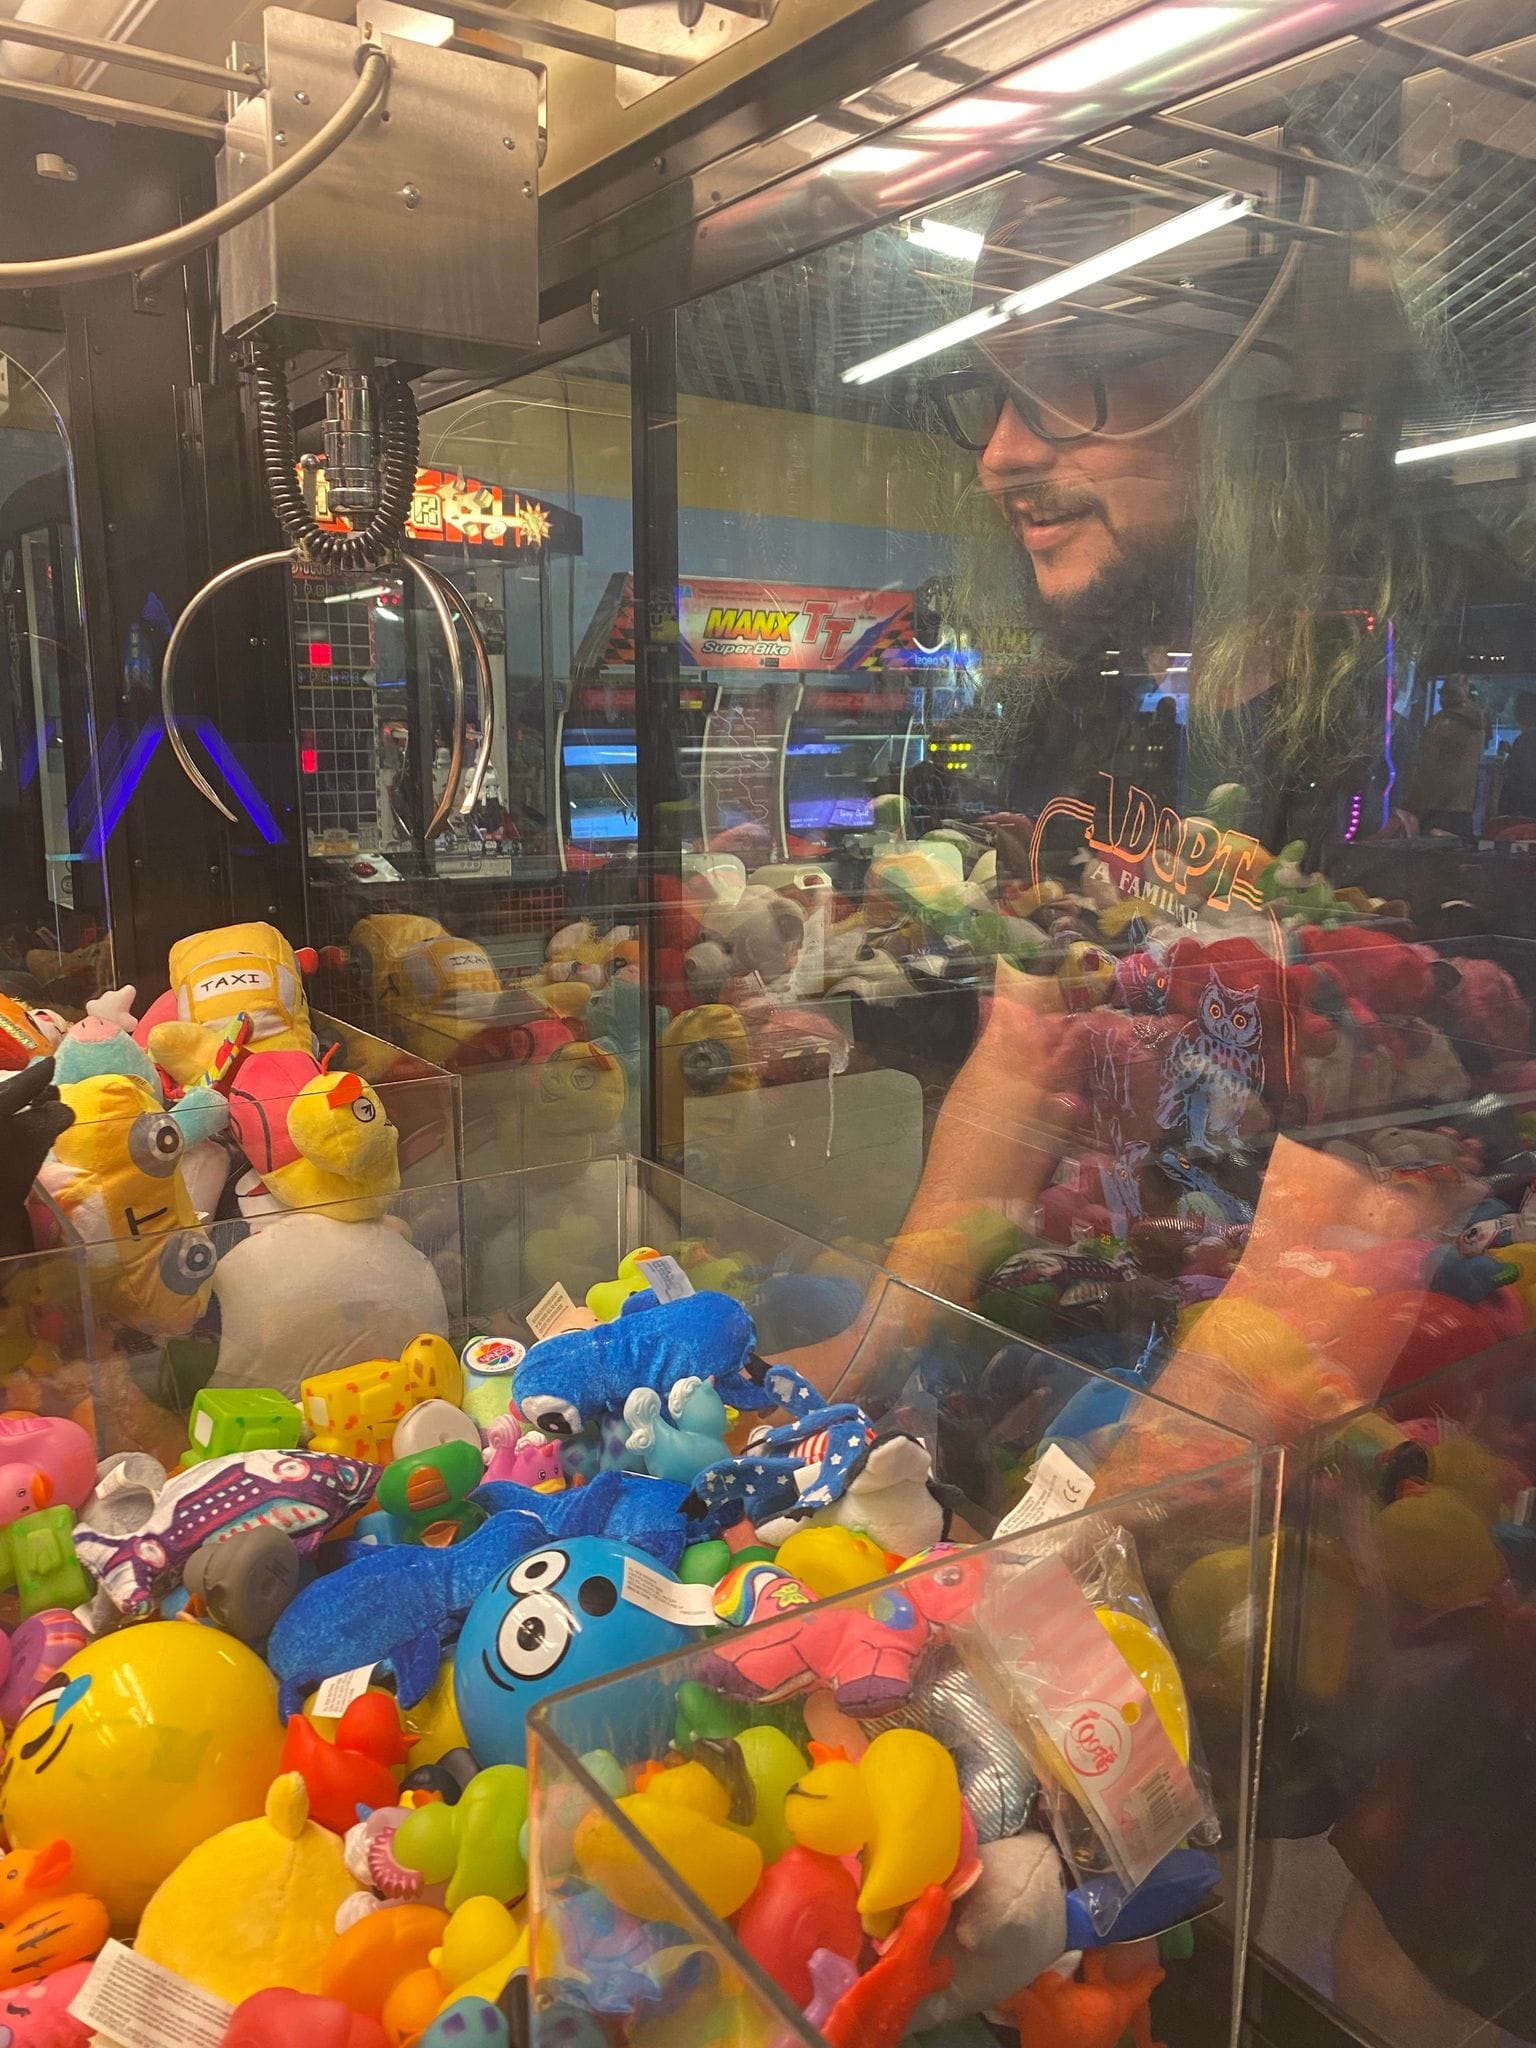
x=606, y=1298
x=475, y=1845
x=43, y=1926
x=352, y=1770
x=899, y=1805
x=484, y=1945
x=682, y=1813
x=255, y=1905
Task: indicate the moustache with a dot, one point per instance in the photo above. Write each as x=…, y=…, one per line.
x=1040, y=502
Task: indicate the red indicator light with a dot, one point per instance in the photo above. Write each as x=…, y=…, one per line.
x=319, y=653
x=309, y=760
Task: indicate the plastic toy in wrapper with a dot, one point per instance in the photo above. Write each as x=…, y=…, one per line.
x=1111, y=1740
x=24, y=1035
x=143, y=1745
x=114, y=1178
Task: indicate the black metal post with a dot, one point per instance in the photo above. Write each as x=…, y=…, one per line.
x=653, y=431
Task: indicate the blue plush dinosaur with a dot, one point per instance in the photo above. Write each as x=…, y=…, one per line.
x=403, y=1603
x=568, y=1381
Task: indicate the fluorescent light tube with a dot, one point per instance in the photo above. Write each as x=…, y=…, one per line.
x=1129, y=46
x=948, y=241
x=1062, y=284
x=1467, y=444
x=356, y=596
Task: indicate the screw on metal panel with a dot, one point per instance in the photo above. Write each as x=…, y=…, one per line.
x=527, y=189
x=411, y=197
x=509, y=142
x=279, y=138
x=596, y=303
x=658, y=163
x=302, y=98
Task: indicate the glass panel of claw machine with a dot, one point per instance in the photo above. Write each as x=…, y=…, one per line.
x=454, y=863
x=1205, y=449
x=53, y=909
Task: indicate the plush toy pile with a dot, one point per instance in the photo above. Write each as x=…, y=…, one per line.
x=267, y=1709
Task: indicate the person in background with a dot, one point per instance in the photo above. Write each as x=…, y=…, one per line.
x=1445, y=780
x=1517, y=796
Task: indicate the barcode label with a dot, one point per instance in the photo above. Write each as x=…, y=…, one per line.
x=549, y=1311
x=1165, y=1807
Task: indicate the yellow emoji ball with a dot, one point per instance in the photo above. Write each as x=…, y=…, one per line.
x=139, y=1748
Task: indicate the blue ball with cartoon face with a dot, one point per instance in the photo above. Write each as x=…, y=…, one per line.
x=559, y=1618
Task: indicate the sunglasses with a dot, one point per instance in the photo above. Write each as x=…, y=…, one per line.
x=1062, y=398
x=1064, y=402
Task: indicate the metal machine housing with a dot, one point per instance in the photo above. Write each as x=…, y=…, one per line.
x=418, y=238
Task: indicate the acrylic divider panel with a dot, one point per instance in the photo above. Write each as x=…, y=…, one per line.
x=1397, y=1793
x=1025, y=1743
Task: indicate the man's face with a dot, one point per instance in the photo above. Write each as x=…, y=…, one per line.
x=1096, y=515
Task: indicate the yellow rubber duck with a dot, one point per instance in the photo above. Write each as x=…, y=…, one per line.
x=682, y=1814
x=899, y=1805
x=255, y=1905
x=484, y=1945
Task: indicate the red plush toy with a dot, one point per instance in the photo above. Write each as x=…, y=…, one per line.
x=1287, y=996
x=1382, y=984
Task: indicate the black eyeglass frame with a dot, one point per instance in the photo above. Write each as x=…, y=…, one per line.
x=941, y=390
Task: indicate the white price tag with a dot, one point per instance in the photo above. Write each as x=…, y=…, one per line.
x=549, y=1311
x=665, y=1278
x=670, y=1599
x=337, y=1694
x=133, y=2003
x=1057, y=1487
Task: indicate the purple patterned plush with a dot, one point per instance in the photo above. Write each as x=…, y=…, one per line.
x=303, y=1493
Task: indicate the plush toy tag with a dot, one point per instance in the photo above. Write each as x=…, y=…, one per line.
x=133, y=2003
x=549, y=1311
x=670, y=1599
x=1057, y=1487
x=338, y=1693
x=666, y=1278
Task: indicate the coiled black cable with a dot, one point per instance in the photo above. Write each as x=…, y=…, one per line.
x=378, y=539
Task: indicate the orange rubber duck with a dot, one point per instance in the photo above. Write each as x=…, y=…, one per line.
x=43, y=1927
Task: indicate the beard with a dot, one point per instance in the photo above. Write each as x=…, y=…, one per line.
x=1135, y=601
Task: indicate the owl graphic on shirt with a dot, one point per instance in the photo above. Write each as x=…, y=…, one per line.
x=1214, y=1067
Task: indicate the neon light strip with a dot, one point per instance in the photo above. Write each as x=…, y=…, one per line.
x=229, y=766
x=120, y=791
